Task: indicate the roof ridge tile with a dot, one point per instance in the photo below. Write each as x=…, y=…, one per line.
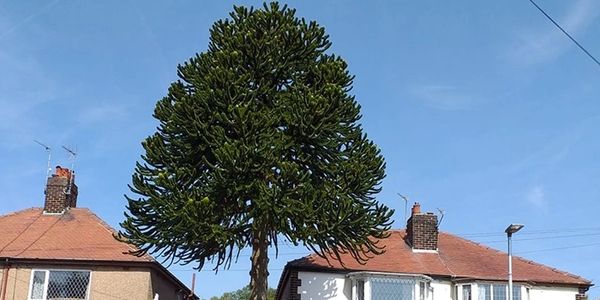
x=9, y=214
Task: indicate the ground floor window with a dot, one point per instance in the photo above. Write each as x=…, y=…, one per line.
x=466, y=292
x=59, y=284
x=487, y=291
x=360, y=289
x=392, y=288
x=377, y=287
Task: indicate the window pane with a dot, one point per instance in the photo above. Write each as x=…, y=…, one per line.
x=485, y=292
x=516, y=292
x=466, y=292
x=422, y=291
x=68, y=285
x=499, y=291
x=360, y=289
x=392, y=288
x=37, y=286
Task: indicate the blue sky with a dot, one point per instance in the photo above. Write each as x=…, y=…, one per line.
x=482, y=109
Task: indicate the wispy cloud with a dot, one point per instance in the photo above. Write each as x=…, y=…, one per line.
x=534, y=46
x=106, y=112
x=24, y=88
x=548, y=156
x=445, y=97
x=7, y=30
x=537, y=198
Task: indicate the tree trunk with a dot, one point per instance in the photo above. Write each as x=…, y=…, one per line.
x=260, y=261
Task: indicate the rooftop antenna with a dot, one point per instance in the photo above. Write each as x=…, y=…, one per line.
x=193, y=285
x=405, y=205
x=442, y=216
x=72, y=158
x=49, y=151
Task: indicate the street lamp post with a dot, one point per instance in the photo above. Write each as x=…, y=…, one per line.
x=512, y=228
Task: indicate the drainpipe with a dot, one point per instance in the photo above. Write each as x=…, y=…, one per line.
x=5, y=279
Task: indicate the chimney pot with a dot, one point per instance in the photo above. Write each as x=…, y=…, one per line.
x=416, y=209
x=62, y=172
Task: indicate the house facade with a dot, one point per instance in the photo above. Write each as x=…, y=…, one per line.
x=422, y=263
x=61, y=251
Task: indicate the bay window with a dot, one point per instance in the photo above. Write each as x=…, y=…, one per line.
x=377, y=286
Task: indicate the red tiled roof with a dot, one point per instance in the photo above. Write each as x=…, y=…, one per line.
x=456, y=257
x=78, y=234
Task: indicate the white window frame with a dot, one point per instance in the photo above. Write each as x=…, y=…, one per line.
x=524, y=289
x=367, y=278
x=459, y=291
x=47, y=276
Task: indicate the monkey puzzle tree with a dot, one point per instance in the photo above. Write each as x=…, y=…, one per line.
x=258, y=140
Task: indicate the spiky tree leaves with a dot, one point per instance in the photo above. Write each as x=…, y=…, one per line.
x=258, y=140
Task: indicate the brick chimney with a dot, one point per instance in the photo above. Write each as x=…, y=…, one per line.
x=61, y=191
x=422, y=230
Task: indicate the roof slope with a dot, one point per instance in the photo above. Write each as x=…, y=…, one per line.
x=78, y=234
x=456, y=257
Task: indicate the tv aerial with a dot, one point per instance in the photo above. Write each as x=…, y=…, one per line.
x=442, y=212
x=405, y=205
x=49, y=151
x=72, y=157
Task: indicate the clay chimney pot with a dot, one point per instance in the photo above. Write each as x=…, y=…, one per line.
x=416, y=209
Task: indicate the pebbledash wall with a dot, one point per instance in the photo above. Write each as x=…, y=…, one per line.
x=105, y=282
x=333, y=286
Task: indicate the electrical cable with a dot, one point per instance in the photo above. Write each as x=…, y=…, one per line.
x=21, y=233
x=566, y=33
x=531, y=232
x=544, y=238
x=558, y=248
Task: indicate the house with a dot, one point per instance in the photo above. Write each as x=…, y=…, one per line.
x=61, y=251
x=423, y=264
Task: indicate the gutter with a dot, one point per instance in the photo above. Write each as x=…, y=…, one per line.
x=387, y=274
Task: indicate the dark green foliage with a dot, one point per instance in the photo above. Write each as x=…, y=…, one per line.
x=259, y=134
x=243, y=294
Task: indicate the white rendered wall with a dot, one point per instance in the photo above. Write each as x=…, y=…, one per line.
x=442, y=290
x=551, y=293
x=330, y=286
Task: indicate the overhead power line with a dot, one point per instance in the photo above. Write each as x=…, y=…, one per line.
x=220, y=270
x=566, y=33
x=559, y=248
x=543, y=238
x=533, y=232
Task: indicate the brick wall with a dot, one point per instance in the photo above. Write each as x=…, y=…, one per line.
x=294, y=284
x=57, y=199
x=422, y=231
